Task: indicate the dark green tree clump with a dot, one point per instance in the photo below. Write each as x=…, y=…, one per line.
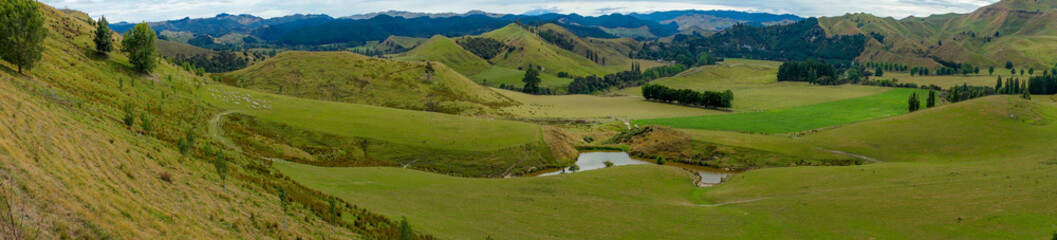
x=532, y=81
x=221, y=165
x=405, y=230
x=931, y=102
x=21, y=33
x=486, y=48
x=914, y=103
x=689, y=97
x=104, y=43
x=620, y=80
x=139, y=45
x=1043, y=85
x=805, y=71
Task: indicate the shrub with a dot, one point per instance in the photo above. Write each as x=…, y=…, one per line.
x=165, y=176
x=608, y=163
x=574, y=168
x=661, y=161
x=129, y=119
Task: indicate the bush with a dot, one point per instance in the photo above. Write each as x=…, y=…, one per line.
x=165, y=176
x=129, y=118
x=574, y=168
x=608, y=163
x=661, y=161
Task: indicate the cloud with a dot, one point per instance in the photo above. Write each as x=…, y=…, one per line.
x=157, y=10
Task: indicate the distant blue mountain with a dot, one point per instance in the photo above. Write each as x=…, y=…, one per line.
x=736, y=15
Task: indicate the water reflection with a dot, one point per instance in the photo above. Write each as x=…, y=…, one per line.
x=596, y=159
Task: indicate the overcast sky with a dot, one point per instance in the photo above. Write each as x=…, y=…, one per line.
x=157, y=10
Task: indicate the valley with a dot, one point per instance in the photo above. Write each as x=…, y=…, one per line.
x=681, y=124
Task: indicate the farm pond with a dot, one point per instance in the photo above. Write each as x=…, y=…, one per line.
x=592, y=160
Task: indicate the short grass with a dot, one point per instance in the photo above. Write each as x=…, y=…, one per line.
x=445, y=50
x=353, y=78
x=415, y=128
x=497, y=75
x=756, y=87
x=1006, y=194
x=950, y=81
x=596, y=107
x=530, y=49
x=796, y=119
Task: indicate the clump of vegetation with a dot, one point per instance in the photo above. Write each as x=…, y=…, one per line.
x=140, y=47
x=486, y=48
x=129, y=118
x=575, y=167
x=608, y=163
x=103, y=41
x=221, y=165
x=532, y=81
x=661, y=160
x=23, y=32
x=688, y=97
x=914, y=103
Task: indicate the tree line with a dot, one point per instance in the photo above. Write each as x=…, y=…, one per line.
x=625, y=79
x=220, y=62
x=806, y=71
x=709, y=99
x=483, y=47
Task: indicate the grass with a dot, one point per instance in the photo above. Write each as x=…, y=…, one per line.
x=445, y=50
x=353, y=78
x=73, y=170
x=796, y=119
x=496, y=75
x=965, y=196
x=589, y=106
x=415, y=128
x=756, y=87
x=531, y=49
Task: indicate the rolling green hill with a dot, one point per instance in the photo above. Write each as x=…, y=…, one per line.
x=445, y=50
x=1003, y=194
x=1011, y=30
x=353, y=78
x=72, y=169
x=530, y=49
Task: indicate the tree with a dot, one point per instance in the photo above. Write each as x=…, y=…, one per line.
x=129, y=119
x=879, y=72
x=145, y=123
x=1012, y=72
x=991, y=70
x=334, y=212
x=21, y=33
x=1024, y=94
x=429, y=71
x=574, y=167
x=283, y=203
x=998, y=85
x=1031, y=71
x=931, y=102
x=104, y=43
x=405, y=230
x=661, y=161
x=608, y=163
x=139, y=45
x=1009, y=65
x=914, y=103
x=221, y=164
x=532, y=81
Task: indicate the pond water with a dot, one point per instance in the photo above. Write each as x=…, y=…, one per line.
x=596, y=159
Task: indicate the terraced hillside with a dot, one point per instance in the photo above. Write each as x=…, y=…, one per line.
x=1019, y=31
x=353, y=78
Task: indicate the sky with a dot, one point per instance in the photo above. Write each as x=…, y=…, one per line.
x=158, y=10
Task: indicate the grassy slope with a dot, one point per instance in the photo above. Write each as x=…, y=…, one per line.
x=1024, y=27
x=796, y=119
x=531, y=49
x=445, y=50
x=395, y=125
x=75, y=171
x=588, y=106
x=171, y=49
x=348, y=77
x=756, y=87
x=463, y=146
x=962, y=196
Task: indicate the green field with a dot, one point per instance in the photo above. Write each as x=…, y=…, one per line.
x=425, y=129
x=796, y=119
x=1005, y=194
x=590, y=106
x=756, y=87
x=496, y=75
